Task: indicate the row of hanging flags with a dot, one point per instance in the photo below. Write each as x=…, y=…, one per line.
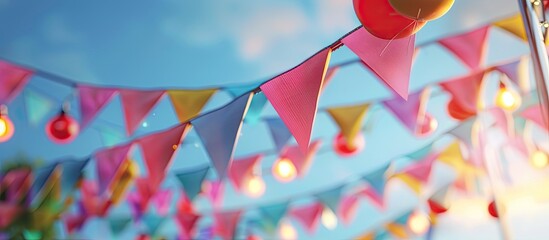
x=294, y=95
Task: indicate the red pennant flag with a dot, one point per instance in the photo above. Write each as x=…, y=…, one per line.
x=465, y=90
x=295, y=93
x=12, y=81
x=92, y=100
x=225, y=223
x=74, y=222
x=390, y=60
x=137, y=104
x=18, y=183
x=347, y=208
x=159, y=149
x=308, y=215
x=9, y=212
x=242, y=169
x=469, y=47
x=301, y=161
x=109, y=162
x=186, y=221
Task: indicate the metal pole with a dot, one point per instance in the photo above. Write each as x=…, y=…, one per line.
x=538, y=51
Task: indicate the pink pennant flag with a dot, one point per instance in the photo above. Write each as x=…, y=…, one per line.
x=347, y=208
x=502, y=119
x=517, y=72
x=74, y=222
x=242, y=169
x=8, y=213
x=187, y=221
x=389, y=60
x=308, y=215
x=376, y=197
x=12, y=80
x=137, y=104
x=162, y=200
x=214, y=192
x=302, y=162
x=158, y=151
x=225, y=223
x=109, y=162
x=535, y=115
x=465, y=90
x=92, y=100
x=137, y=204
x=92, y=203
x=469, y=47
x=295, y=93
x=410, y=112
x=422, y=170
x=18, y=184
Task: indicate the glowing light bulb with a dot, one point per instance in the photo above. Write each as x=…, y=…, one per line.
x=328, y=219
x=287, y=232
x=6, y=128
x=419, y=223
x=62, y=129
x=255, y=187
x=539, y=159
x=507, y=99
x=284, y=170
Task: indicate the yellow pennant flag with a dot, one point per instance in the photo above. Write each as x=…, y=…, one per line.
x=349, y=119
x=367, y=236
x=411, y=182
x=452, y=156
x=513, y=25
x=397, y=230
x=188, y=103
x=123, y=180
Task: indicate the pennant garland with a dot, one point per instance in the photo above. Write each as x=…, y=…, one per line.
x=469, y=47
x=92, y=100
x=137, y=105
x=188, y=103
x=12, y=79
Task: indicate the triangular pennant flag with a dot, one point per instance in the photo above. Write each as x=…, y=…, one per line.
x=153, y=223
x=377, y=179
x=41, y=176
x=331, y=198
x=137, y=204
x=347, y=208
x=518, y=72
x=110, y=136
x=465, y=90
x=236, y=91
x=12, y=80
x=421, y=170
x=37, y=106
x=464, y=131
x=137, y=105
x=280, y=133
x=411, y=182
x=513, y=25
x=17, y=182
x=186, y=221
x=108, y=163
x=295, y=94
x=219, y=131
x=535, y=115
x=256, y=107
x=191, y=180
x=92, y=100
x=469, y=47
x=50, y=188
x=243, y=169
x=29, y=234
x=9, y=212
x=118, y=224
x=162, y=200
x=74, y=222
x=272, y=214
x=302, y=162
x=225, y=223
x=214, y=192
x=420, y=153
x=308, y=215
x=349, y=119
x=409, y=112
x=389, y=60
x=159, y=149
x=71, y=174
x=188, y=103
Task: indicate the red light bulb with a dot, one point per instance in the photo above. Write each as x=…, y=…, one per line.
x=492, y=209
x=436, y=208
x=343, y=149
x=62, y=129
x=457, y=112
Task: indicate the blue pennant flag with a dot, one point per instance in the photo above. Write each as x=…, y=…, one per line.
x=153, y=223
x=236, y=91
x=256, y=107
x=118, y=224
x=376, y=179
x=331, y=198
x=72, y=171
x=272, y=215
x=280, y=133
x=191, y=180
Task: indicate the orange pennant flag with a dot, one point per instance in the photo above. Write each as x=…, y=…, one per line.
x=188, y=103
x=513, y=25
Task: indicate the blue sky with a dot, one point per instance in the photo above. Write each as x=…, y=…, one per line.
x=170, y=43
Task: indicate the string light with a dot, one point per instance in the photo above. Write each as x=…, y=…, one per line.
x=539, y=159
x=345, y=149
x=255, y=186
x=419, y=223
x=284, y=170
x=6, y=125
x=507, y=99
x=328, y=219
x=287, y=232
x=63, y=128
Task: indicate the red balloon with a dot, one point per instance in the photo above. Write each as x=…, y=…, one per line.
x=343, y=149
x=492, y=209
x=436, y=207
x=62, y=129
x=382, y=21
x=457, y=112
